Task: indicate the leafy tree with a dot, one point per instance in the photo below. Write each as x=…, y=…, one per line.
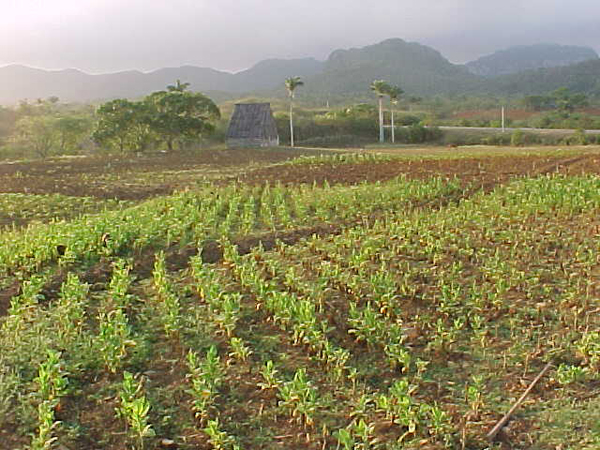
x=122, y=124
x=37, y=134
x=8, y=120
x=537, y=102
x=291, y=84
x=170, y=116
x=517, y=139
x=394, y=92
x=39, y=107
x=71, y=130
x=177, y=114
x=567, y=101
x=380, y=88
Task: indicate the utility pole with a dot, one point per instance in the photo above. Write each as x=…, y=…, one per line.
x=381, y=135
x=503, y=127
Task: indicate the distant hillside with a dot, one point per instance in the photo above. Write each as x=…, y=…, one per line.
x=529, y=57
x=583, y=77
x=20, y=82
x=418, y=69
x=271, y=74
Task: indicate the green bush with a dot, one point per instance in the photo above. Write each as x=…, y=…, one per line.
x=496, y=139
x=333, y=131
x=577, y=138
x=517, y=139
x=407, y=120
x=418, y=134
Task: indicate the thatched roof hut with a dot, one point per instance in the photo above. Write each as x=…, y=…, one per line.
x=252, y=125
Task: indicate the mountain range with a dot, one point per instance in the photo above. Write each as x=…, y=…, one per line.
x=418, y=69
x=530, y=57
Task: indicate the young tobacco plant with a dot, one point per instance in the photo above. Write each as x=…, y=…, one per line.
x=134, y=408
x=300, y=398
x=170, y=306
x=206, y=377
x=114, y=338
x=119, y=284
x=239, y=351
x=219, y=439
x=269, y=374
x=52, y=384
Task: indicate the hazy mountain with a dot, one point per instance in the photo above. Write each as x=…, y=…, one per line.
x=529, y=57
x=418, y=69
x=583, y=77
x=20, y=82
x=271, y=74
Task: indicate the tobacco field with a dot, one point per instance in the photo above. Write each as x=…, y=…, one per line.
x=298, y=311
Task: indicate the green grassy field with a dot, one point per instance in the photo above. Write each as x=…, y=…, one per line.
x=406, y=313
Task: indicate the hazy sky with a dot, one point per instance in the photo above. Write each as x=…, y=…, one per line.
x=111, y=35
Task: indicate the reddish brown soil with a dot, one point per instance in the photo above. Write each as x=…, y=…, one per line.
x=110, y=176
x=483, y=171
x=590, y=111
x=131, y=178
x=7, y=294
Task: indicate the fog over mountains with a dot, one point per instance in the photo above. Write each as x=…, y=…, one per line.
x=418, y=69
x=529, y=57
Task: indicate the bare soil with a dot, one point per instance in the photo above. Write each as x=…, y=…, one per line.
x=482, y=171
x=131, y=177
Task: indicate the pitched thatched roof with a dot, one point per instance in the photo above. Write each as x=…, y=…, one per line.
x=252, y=121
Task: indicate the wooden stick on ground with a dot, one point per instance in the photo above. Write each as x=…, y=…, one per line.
x=502, y=423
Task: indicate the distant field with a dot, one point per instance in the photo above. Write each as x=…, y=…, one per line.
x=495, y=114
x=388, y=298
x=514, y=114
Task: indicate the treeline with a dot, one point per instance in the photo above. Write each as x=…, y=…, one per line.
x=176, y=118
x=559, y=109
x=561, y=99
x=581, y=78
x=169, y=119
x=45, y=127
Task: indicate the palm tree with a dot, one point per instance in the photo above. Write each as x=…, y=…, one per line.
x=381, y=89
x=393, y=93
x=178, y=86
x=291, y=84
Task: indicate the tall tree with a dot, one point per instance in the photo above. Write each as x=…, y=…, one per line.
x=37, y=133
x=291, y=84
x=567, y=101
x=71, y=131
x=177, y=115
x=394, y=93
x=380, y=88
x=171, y=116
x=121, y=124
